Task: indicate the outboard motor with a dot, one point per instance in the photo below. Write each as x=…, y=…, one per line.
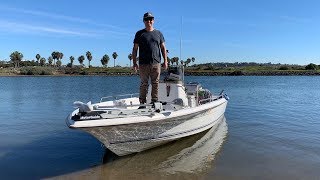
x=85, y=112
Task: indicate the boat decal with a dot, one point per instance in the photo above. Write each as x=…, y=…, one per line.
x=90, y=117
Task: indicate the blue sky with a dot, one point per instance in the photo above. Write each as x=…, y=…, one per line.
x=277, y=31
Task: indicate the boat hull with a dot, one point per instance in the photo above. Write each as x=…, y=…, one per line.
x=124, y=139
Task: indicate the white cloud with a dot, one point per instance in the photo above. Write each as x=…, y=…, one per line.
x=110, y=29
x=29, y=28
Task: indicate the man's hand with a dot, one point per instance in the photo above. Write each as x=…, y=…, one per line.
x=165, y=65
x=135, y=67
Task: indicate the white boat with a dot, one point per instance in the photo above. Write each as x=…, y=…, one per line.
x=125, y=126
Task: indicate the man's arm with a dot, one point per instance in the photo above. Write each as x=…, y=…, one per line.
x=164, y=55
x=134, y=56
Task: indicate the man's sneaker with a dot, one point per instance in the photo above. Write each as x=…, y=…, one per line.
x=142, y=106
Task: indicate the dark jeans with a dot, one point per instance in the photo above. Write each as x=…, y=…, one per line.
x=147, y=71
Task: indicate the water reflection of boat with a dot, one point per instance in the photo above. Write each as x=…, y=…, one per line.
x=184, y=158
x=199, y=156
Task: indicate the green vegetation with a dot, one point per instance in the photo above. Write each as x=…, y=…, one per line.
x=311, y=66
x=36, y=71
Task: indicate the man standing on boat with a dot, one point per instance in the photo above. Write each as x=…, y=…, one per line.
x=150, y=43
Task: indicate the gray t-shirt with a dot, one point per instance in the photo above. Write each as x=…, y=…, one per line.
x=149, y=46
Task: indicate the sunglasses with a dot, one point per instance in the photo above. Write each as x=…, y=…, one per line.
x=148, y=19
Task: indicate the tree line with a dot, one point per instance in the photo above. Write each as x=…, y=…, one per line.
x=55, y=60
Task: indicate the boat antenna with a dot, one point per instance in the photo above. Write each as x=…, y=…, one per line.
x=181, y=37
x=181, y=48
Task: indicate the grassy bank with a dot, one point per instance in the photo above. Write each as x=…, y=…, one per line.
x=189, y=71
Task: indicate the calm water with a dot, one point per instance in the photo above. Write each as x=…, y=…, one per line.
x=271, y=131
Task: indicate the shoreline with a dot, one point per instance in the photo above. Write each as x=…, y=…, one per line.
x=257, y=73
x=223, y=73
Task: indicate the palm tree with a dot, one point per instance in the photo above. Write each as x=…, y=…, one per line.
x=42, y=61
x=104, y=60
x=89, y=57
x=59, y=63
x=55, y=55
x=81, y=59
x=60, y=56
x=176, y=60
x=193, y=59
x=130, y=58
x=71, y=60
x=50, y=59
x=16, y=57
x=188, y=61
x=38, y=57
x=114, y=55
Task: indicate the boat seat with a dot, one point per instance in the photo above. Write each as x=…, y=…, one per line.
x=120, y=102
